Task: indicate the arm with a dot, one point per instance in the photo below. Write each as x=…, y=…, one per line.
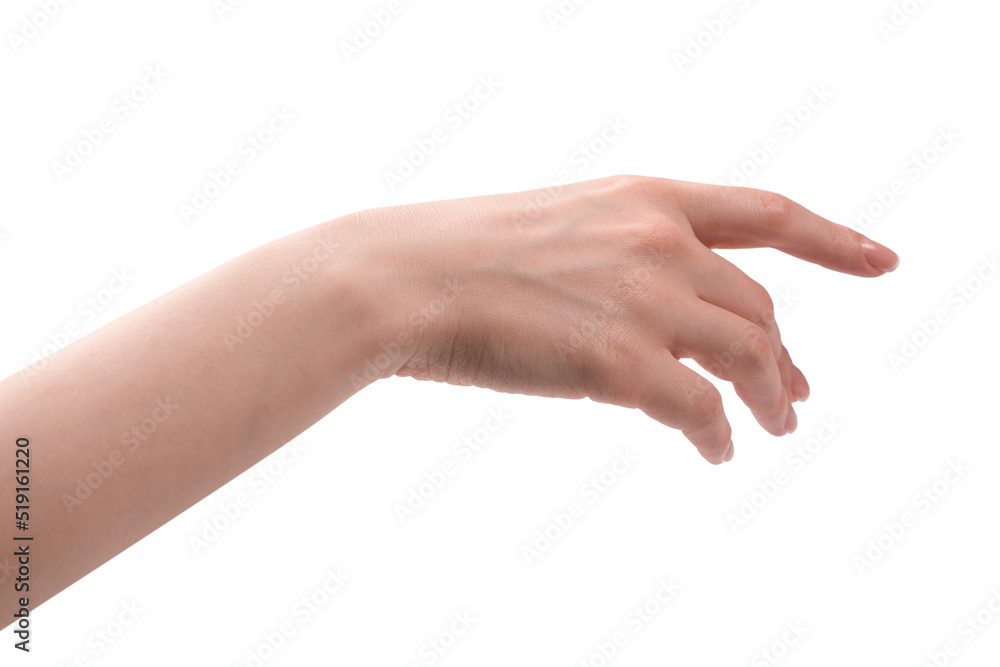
x=169, y=402
x=595, y=293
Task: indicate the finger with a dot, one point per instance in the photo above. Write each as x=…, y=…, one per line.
x=799, y=384
x=677, y=396
x=724, y=285
x=737, y=350
x=787, y=370
x=730, y=217
x=798, y=388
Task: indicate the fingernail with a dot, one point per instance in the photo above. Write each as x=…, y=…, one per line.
x=729, y=453
x=791, y=422
x=880, y=257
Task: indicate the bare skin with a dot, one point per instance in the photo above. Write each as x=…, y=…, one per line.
x=592, y=291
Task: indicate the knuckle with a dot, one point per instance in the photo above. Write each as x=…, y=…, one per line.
x=764, y=301
x=655, y=234
x=764, y=305
x=704, y=405
x=661, y=230
x=756, y=349
x=628, y=183
x=774, y=209
x=773, y=204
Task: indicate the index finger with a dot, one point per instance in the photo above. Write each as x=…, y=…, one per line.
x=733, y=217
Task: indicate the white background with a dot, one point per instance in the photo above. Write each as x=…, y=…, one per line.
x=794, y=561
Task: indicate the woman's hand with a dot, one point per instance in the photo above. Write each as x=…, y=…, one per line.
x=597, y=289
x=594, y=289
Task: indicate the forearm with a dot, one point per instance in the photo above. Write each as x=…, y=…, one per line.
x=181, y=395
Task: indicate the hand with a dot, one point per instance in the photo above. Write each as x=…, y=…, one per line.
x=598, y=289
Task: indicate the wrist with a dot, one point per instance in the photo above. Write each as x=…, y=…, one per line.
x=396, y=295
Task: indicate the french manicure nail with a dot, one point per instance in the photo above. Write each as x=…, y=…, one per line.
x=879, y=257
